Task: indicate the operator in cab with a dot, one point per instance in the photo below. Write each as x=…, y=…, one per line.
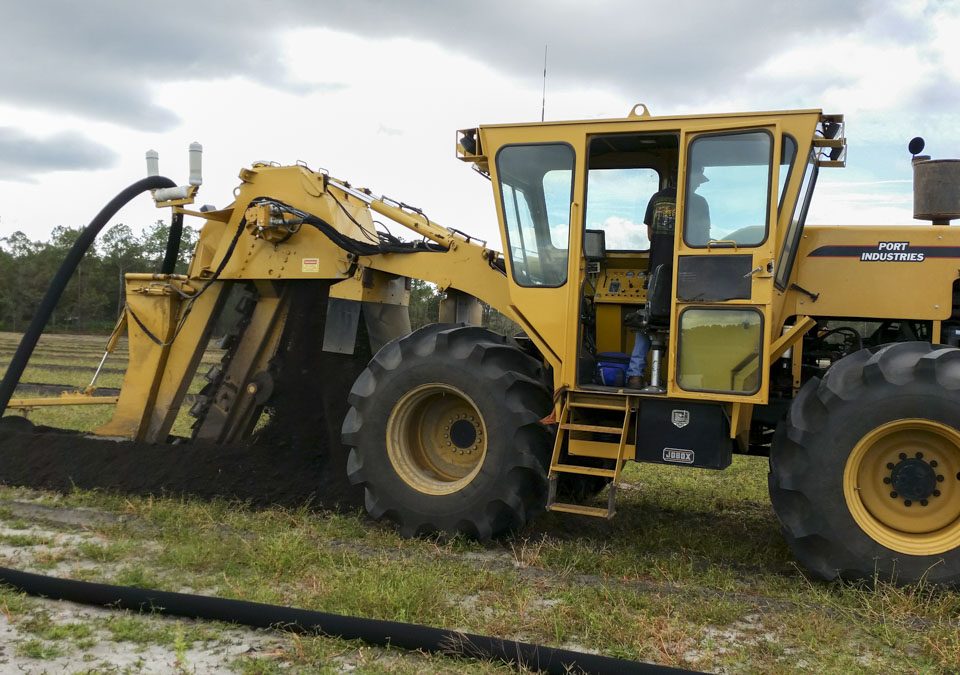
x=660, y=219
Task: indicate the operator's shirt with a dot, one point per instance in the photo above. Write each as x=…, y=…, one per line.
x=661, y=216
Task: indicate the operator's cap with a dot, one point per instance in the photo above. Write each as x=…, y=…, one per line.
x=698, y=175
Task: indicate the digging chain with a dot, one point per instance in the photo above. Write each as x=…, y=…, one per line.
x=246, y=302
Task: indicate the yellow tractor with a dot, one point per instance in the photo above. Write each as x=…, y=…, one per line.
x=831, y=349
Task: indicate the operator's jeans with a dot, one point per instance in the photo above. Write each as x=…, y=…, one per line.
x=638, y=359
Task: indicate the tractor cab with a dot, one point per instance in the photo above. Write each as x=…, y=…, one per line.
x=680, y=229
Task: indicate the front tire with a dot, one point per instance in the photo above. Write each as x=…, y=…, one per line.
x=865, y=470
x=445, y=436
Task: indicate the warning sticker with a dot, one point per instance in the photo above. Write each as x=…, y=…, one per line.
x=310, y=264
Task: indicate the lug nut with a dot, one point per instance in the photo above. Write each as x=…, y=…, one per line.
x=936, y=493
x=907, y=502
x=933, y=463
x=919, y=455
x=903, y=455
x=939, y=478
x=923, y=502
x=887, y=480
x=890, y=465
x=894, y=495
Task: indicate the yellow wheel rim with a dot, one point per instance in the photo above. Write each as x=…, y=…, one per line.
x=902, y=486
x=436, y=439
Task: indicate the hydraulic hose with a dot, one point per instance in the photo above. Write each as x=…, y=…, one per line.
x=371, y=631
x=169, y=265
x=69, y=265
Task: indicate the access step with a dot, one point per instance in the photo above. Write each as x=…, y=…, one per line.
x=581, y=509
x=597, y=406
x=584, y=470
x=594, y=428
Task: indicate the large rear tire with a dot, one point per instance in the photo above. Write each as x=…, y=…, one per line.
x=865, y=470
x=445, y=436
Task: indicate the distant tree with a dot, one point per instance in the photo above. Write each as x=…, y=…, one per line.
x=120, y=252
x=154, y=245
x=94, y=296
x=499, y=323
x=424, y=303
x=8, y=283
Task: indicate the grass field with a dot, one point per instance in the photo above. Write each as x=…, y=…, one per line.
x=692, y=572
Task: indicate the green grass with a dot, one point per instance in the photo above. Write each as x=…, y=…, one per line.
x=38, y=649
x=692, y=572
x=21, y=540
x=561, y=582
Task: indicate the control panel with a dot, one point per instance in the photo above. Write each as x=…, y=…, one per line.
x=624, y=286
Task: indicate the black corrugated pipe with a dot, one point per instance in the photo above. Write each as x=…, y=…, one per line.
x=40, y=318
x=371, y=631
x=169, y=265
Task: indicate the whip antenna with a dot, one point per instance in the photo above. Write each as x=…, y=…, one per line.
x=543, y=100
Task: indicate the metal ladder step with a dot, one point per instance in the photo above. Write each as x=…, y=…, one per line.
x=596, y=406
x=584, y=470
x=582, y=509
x=571, y=426
x=558, y=469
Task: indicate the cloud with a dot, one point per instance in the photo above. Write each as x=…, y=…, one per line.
x=98, y=58
x=23, y=156
x=689, y=52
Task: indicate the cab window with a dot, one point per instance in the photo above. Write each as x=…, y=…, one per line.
x=536, y=188
x=792, y=240
x=728, y=189
x=788, y=152
x=616, y=203
x=624, y=172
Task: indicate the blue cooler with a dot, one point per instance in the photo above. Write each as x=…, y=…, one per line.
x=612, y=368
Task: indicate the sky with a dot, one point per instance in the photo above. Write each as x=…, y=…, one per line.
x=373, y=91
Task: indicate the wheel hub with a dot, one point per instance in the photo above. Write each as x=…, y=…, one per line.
x=463, y=434
x=913, y=479
x=436, y=440
x=900, y=486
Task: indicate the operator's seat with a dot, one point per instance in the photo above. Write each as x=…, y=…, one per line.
x=657, y=309
x=656, y=320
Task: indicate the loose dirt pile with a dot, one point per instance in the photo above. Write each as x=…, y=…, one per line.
x=295, y=458
x=286, y=475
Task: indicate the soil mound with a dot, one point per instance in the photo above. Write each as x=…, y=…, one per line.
x=280, y=474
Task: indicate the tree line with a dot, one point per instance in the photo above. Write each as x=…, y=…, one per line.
x=94, y=298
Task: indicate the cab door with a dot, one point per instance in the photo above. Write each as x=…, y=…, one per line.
x=720, y=326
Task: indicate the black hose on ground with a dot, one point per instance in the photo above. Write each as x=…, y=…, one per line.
x=59, y=282
x=371, y=631
x=169, y=265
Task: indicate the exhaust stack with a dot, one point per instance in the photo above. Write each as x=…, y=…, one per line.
x=936, y=186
